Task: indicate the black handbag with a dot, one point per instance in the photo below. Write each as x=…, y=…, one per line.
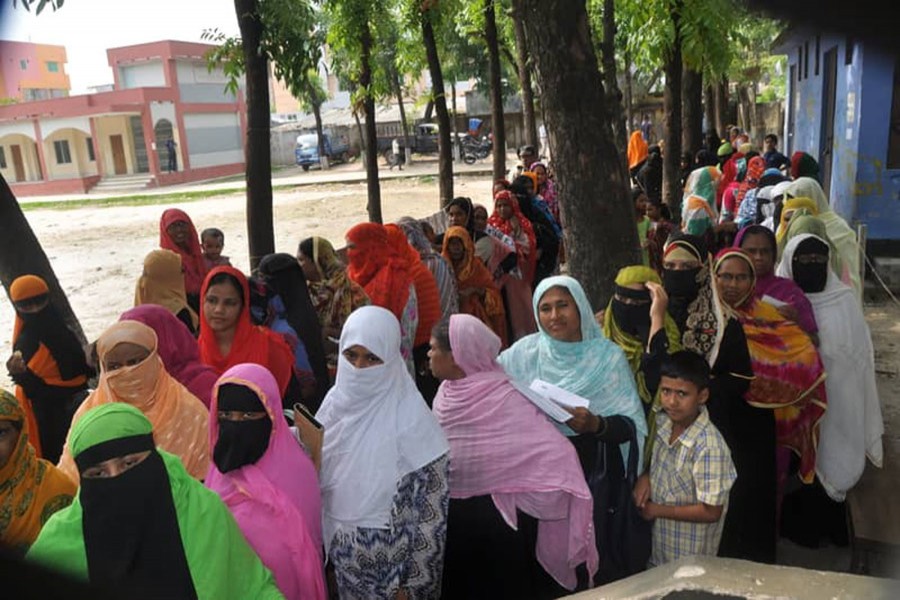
x=623, y=536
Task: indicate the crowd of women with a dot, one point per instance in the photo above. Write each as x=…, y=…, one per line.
x=358, y=423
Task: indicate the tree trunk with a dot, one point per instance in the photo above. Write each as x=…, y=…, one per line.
x=320, y=134
x=721, y=101
x=672, y=135
x=498, y=127
x=456, y=148
x=398, y=92
x=709, y=110
x=21, y=254
x=362, y=137
x=258, y=154
x=629, y=95
x=371, y=145
x=445, y=156
x=528, y=118
x=692, y=111
x=613, y=94
x=601, y=236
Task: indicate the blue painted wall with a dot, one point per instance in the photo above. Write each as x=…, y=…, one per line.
x=862, y=189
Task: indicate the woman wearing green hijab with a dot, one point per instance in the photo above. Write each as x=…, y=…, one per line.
x=141, y=523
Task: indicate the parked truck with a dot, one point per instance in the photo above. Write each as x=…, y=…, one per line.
x=337, y=149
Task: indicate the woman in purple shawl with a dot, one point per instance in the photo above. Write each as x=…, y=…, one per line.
x=788, y=298
x=177, y=348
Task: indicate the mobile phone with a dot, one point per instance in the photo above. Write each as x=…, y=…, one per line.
x=307, y=415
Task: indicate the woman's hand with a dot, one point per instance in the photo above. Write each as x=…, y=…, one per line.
x=16, y=364
x=659, y=300
x=788, y=312
x=583, y=420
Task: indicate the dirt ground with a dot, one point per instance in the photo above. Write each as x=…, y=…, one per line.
x=98, y=254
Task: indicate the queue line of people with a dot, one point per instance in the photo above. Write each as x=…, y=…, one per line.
x=684, y=374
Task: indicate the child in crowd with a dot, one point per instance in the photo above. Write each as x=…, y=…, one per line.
x=691, y=473
x=213, y=240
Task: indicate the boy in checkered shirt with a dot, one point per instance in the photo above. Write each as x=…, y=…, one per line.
x=685, y=493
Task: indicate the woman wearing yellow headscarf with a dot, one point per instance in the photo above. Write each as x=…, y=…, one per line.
x=132, y=372
x=637, y=321
x=31, y=489
x=791, y=206
x=162, y=283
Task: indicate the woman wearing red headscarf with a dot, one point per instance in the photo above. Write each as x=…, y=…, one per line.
x=178, y=234
x=510, y=223
x=228, y=337
x=384, y=274
x=428, y=305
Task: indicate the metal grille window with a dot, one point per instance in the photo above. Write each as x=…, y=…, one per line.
x=2, y=157
x=63, y=156
x=90, y=149
x=52, y=66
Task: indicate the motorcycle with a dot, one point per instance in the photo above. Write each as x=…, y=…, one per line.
x=474, y=149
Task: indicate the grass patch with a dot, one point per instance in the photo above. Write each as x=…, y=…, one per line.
x=134, y=200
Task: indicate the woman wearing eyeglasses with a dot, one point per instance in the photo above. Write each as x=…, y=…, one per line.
x=789, y=375
x=710, y=328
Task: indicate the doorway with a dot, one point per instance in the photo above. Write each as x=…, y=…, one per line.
x=829, y=90
x=18, y=165
x=118, y=153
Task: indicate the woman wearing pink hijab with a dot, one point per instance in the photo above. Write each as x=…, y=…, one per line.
x=177, y=348
x=520, y=509
x=267, y=480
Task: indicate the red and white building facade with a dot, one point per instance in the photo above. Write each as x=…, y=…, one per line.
x=163, y=90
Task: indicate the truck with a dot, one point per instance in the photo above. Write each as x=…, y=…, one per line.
x=424, y=140
x=337, y=149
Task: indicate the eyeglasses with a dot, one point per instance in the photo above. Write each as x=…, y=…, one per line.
x=811, y=259
x=730, y=277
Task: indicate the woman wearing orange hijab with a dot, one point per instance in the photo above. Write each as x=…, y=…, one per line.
x=478, y=295
x=178, y=234
x=637, y=153
x=48, y=366
x=132, y=372
x=375, y=265
x=228, y=337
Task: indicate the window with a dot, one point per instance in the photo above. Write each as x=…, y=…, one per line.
x=806, y=60
x=818, y=41
x=90, y=149
x=848, y=50
x=52, y=66
x=23, y=64
x=63, y=156
x=2, y=157
x=799, y=63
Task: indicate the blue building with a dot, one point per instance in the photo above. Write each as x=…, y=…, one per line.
x=843, y=108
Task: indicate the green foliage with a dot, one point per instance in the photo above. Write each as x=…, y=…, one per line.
x=40, y=4
x=292, y=41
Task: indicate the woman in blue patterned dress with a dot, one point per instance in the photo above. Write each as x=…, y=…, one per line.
x=385, y=469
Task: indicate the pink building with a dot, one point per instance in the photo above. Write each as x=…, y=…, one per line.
x=163, y=92
x=32, y=71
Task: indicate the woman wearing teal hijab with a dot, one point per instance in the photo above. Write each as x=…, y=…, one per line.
x=570, y=351
x=141, y=523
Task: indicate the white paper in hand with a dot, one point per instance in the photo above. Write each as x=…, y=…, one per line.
x=773, y=301
x=550, y=408
x=557, y=394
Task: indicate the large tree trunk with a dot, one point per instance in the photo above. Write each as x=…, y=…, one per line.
x=601, y=236
x=320, y=134
x=398, y=92
x=528, y=118
x=457, y=151
x=692, y=111
x=672, y=107
x=709, y=110
x=445, y=150
x=21, y=254
x=258, y=154
x=497, y=125
x=371, y=144
x=613, y=94
x=722, y=110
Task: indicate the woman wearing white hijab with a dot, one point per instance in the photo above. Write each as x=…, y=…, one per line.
x=385, y=469
x=851, y=430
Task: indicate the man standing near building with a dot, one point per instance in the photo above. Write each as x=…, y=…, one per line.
x=173, y=159
x=774, y=159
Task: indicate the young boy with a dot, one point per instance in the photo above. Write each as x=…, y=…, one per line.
x=691, y=473
x=213, y=240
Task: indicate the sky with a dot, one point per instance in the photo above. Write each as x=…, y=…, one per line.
x=88, y=27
